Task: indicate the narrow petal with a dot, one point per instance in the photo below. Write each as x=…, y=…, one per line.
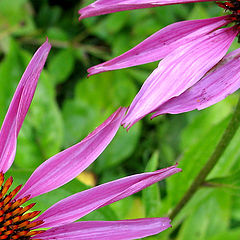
x=178, y=71
x=221, y=81
x=19, y=107
x=80, y=204
x=101, y=7
x=160, y=44
x=103, y=230
x=66, y=165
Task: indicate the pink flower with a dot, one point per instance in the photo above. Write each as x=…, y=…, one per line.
x=193, y=74
x=16, y=222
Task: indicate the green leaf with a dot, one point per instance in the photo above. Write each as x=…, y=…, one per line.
x=57, y=34
x=16, y=18
x=230, y=181
x=115, y=22
x=11, y=69
x=209, y=218
x=192, y=161
x=233, y=234
x=13, y=12
x=200, y=122
x=119, y=149
x=61, y=65
x=123, y=207
x=79, y=120
x=198, y=12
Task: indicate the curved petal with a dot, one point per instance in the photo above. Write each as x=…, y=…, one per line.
x=178, y=71
x=115, y=230
x=19, y=107
x=101, y=7
x=80, y=204
x=161, y=43
x=67, y=164
x=223, y=80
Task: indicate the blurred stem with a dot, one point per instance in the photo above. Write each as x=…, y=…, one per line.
x=64, y=44
x=212, y=161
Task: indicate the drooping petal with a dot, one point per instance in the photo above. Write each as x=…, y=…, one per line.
x=101, y=7
x=67, y=164
x=178, y=71
x=221, y=81
x=103, y=230
x=80, y=204
x=160, y=44
x=19, y=107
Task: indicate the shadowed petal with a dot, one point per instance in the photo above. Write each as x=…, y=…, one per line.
x=80, y=204
x=101, y=7
x=103, y=230
x=178, y=71
x=221, y=81
x=161, y=43
x=19, y=107
x=67, y=164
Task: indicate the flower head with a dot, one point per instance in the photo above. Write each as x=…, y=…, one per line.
x=19, y=222
x=193, y=54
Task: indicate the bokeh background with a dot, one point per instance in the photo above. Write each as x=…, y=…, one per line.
x=68, y=105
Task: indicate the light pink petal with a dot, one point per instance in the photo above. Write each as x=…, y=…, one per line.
x=178, y=71
x=101, y=7
x=160, y=44
x=103, y=230
x=67, y=164
x=223, y=80
x=80, y=204
x=19, y=106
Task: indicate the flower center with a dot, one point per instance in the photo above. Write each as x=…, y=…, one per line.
x=15, y=220
x=234, y=7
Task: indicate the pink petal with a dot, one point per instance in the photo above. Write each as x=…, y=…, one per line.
x=103, y=230
x=80, y=204
x=178, y=71
x=160, y=44
x=101, y=7
x=19, y=107
x=67, y=164
x=223, y=80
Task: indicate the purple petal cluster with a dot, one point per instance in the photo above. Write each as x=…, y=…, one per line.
x=193, y=73
x=66, y=165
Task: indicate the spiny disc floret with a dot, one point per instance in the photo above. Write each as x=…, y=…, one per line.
x=15, y=220
x=232, y=6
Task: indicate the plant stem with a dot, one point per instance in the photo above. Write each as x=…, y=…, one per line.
x=212, y=161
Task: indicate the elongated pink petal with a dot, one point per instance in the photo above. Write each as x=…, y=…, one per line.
x=101, y=7
x=223, y=80
x=160, y=44
x=80, y=204
x=67, y=164
x=19, y=107
x=103, y=230
x=178, y=71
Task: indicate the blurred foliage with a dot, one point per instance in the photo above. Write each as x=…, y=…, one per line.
x=68, y=105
